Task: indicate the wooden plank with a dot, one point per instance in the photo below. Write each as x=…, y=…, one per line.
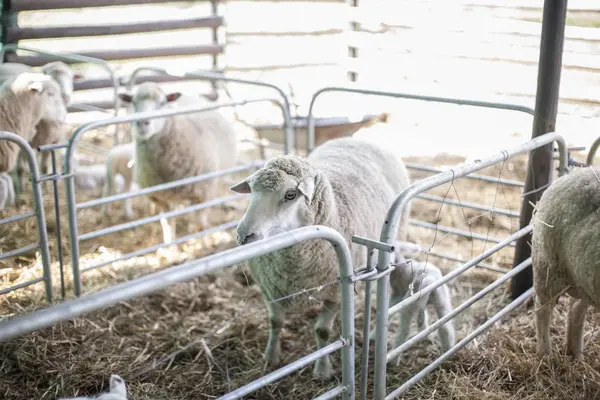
x=109, y=104
x=127, y=54
x=16, y=34
x=106, y=83
x=30, y=5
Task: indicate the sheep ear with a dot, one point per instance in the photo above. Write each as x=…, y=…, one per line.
x=307, y=188
x=173, y=96
x=125, y=97
x=242, y=187
x=36, y=86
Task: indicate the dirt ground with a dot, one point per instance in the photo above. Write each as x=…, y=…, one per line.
x=217, y=324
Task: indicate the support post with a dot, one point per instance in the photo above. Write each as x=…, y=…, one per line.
x=540, y=164
x=8, y=19
x=214, y=7
x=353, y=51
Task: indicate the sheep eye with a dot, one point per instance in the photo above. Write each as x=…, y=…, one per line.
x=290, y=195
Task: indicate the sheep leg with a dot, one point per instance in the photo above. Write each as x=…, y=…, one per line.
x=21, y=162
x=576, y=319
x=406, y=317
x=127, y=203
x=423, y=320
x=323, y=330
x=273, y=350
x=543, y=315
x=107, y=190
x=443, y=306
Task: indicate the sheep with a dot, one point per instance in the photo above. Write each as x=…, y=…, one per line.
x=47, y=131
x=565, y=254
x=25, y=99
x=57, y=70
x=346, y=184
x=168, y=149
x=420, y=275
x=117, y=391
x=7, y=191
x=120, y=161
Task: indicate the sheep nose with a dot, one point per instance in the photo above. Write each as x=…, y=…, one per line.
x=244, y=239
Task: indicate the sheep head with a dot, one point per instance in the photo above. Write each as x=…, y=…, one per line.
x=42, y=93
x=64, y=76
x=148, y=97
x=282, y=198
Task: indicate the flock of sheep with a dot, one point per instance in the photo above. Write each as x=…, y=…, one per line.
x=347, y=184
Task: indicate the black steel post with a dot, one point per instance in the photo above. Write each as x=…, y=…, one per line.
x=8, y=19
x=540, y=165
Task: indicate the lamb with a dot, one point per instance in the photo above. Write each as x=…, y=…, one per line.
x=565, y=254
x=7, y=191
x=120, y=161
x=346, y=184
x=25, y=99
x=420, y=275
x=117, y=391
x=177, y=147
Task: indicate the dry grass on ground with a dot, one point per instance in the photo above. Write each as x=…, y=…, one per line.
x=225, y=310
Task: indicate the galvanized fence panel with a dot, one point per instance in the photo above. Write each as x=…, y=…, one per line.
x=388, y=234
x=72, y=207
x=40, y=216
x=14, y=327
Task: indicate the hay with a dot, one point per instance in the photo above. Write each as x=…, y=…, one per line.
x=220, y=320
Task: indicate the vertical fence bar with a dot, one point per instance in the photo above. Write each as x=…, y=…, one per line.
x=8, y=19
x=59, y=248
x=214, y=7
x=364, y=369
x=40, y=216
x=541, y=161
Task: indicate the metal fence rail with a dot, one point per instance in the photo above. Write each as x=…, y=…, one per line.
x=40, y=217
x=13, y=327
x=388, y=236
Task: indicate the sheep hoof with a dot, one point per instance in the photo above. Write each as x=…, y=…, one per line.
x=575, y=355
x=322, y=369
x=272, y=360
x=543, y=351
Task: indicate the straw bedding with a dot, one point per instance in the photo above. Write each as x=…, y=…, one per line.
x=217, y=324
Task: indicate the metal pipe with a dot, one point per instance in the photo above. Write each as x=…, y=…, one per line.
x=482, y=328
x=485, y=178
x=332, y=394
x=592, y=154
x=17, y=252
x=460, y=260
x=17, y=217
x=540, y=164
x=458, y=271
x=466, y=204
x=390, y=227
x=58, y=228
x=20, y=286
x=212, y=76
x=466, y=304
x=158, y=217
x=40, y=216
x=168, y=185
x=151, y=249
x=283, y=371
x=78, y=58
x=445, y=229
x=310, y=132
x=364, y=370
x=13, y=327
x=70, y=180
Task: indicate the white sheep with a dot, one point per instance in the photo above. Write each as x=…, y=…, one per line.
x=47, y=131
x=117, y=391
x=181, y=146
x=419, y=275
x=120, y=161
x=346, y=184
x=7, y=191
x=565, y=254
x=25, y=99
